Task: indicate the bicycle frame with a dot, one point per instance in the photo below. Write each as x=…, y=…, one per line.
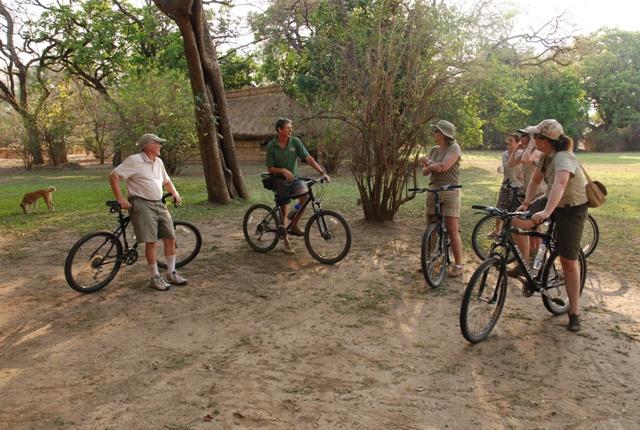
x=121, y=231
x=507, y=242
x=315, y=204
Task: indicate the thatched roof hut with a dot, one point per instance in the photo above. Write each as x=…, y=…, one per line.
x=253, y=113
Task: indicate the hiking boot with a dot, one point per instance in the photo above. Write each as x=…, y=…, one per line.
x=288, y=249
x=159, y=283
x=455, y=272
x=574, y=323
x=175, y=279
x=515, y=272
x=296, y=231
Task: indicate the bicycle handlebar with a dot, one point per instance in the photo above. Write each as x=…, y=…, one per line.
x=114, y=206
x=442, y=188
x=503, y=213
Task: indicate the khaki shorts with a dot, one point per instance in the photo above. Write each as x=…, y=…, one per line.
x=569, y=226
x=450, y=203
x=151, y=220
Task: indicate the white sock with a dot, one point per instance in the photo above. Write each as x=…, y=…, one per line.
x=458, y=266
x=171, y=263
x=154, y=270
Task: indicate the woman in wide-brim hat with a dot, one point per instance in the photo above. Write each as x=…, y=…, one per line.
x=443, y=166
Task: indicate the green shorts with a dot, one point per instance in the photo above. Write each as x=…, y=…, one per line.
x=569, y=226
x=151, y=220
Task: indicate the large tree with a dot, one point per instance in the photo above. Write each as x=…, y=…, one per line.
x=389, y=68
x=611, y=69
x=20, y=66
x=222, y=170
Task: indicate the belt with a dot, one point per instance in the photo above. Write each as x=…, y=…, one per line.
x=573, y=207
x=142, y=198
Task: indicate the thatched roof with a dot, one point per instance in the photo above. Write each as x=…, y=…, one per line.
x=254, y=111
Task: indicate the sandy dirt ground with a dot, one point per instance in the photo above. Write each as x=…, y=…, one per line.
x=277, y=341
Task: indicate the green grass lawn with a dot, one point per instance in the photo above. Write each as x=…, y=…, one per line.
x=81, y=195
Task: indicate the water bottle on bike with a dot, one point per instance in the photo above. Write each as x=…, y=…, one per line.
x=295, y=210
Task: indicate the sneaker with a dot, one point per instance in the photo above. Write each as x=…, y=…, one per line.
x=455, y=272
x=159, y=283
x=288, y=249
x=175, y=279
x=574, y=323
x=515, y=272
x=296, y=231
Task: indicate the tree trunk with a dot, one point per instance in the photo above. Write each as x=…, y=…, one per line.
x=221, y=169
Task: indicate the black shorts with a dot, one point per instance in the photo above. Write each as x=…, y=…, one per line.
x=569, y=226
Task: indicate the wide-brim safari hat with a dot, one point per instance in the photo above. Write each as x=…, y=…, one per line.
x=446, y=128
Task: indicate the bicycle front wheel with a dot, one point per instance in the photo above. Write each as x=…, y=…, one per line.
x=483, y=300
x=93, y=261
x=433, y=255
x=327, y=236
x=260, y=227
x=590, y=236
x=188, y=244
x=483, y=237
x=556, y=299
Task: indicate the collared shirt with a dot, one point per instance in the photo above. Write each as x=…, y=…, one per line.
x=451, y=176
x=144, y=178
x=574, y=193
x=286, y=158
x=511, y=174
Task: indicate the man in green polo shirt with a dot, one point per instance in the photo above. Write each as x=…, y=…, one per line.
x=282, y=160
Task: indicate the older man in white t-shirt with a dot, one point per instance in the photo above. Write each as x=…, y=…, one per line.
x=145, y=176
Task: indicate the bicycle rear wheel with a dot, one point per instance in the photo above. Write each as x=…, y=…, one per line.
x=483, y=300
x=260, y=227
x=433, y=255
x=553, y=283
x=188, y=244
x=93, y=261
x=330, y=240
x=482, y=237
x=590, y=236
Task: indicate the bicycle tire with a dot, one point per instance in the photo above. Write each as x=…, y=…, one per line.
x=433, y=255
x=260, y=227
x=481, y=242
x=553, y=283
x=188, y=244
x=86, y=269
x=330, y=241
x=590, y=236
x=483, y=300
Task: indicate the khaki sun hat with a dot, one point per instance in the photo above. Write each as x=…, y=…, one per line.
x=446, y=128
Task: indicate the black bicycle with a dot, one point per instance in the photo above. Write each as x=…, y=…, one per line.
x=327, y=234
x=434, y=252
x=483, y=235
x=96, y=258
x=486, y=291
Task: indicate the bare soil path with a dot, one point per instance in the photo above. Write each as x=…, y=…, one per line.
x=276, y=341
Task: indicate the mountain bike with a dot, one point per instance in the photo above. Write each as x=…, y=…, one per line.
x=483, y=236
x=327, y=235
x=485, y=294
x=434, y=251
x=96, y=258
